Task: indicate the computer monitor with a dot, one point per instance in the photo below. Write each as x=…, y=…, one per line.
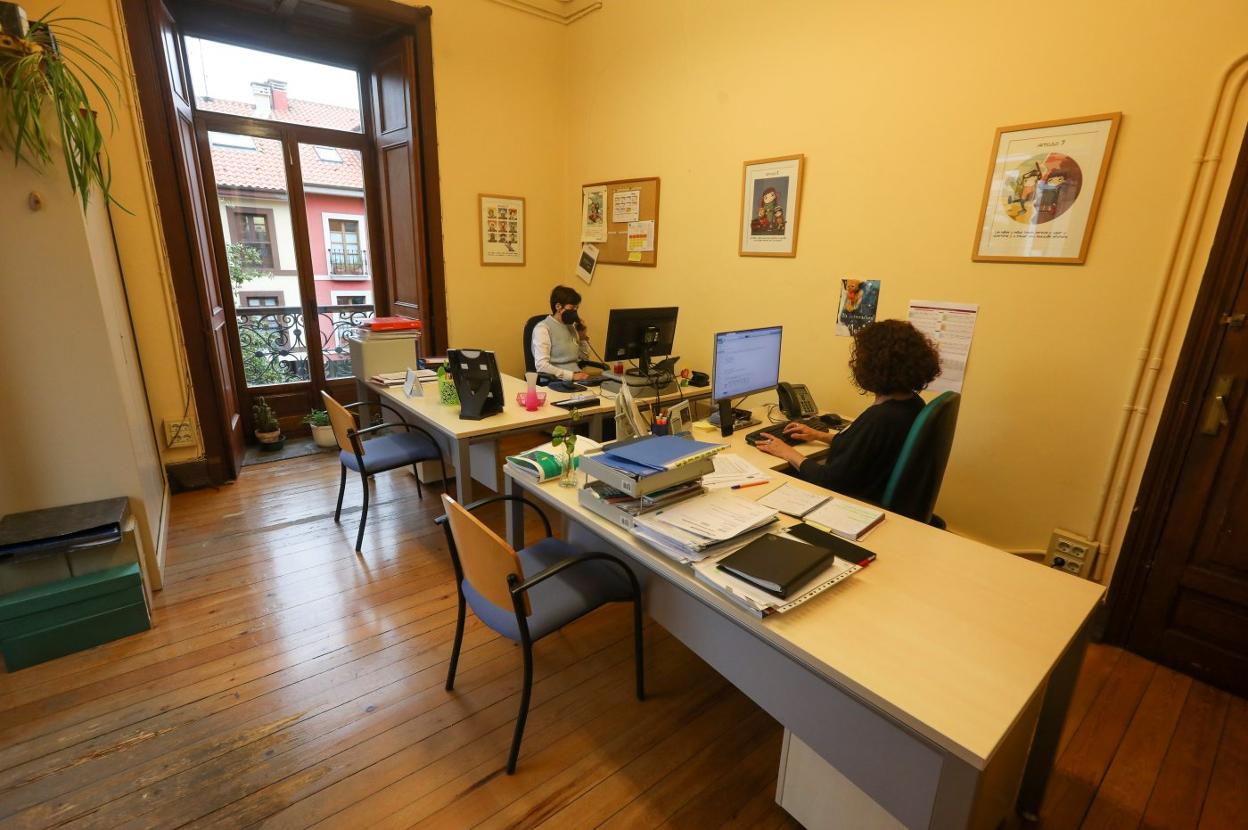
x=639, y=334
x=746, y=362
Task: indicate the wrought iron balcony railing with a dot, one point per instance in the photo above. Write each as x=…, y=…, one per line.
x=274, y=341
x=347, y=263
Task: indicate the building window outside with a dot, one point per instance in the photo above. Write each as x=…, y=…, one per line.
x=346, y=258
x=253, y=227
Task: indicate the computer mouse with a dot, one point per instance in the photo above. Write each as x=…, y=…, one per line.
x=832, y=420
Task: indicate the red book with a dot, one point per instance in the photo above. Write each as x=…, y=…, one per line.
x=391, y=324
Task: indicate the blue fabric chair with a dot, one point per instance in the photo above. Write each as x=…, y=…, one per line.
x=379, y=454
x=915, y=481
x=528, y=594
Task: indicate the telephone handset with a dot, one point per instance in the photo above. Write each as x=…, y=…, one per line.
x=796, y=401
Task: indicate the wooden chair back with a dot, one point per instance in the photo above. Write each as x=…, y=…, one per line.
x=486, y=559
x=341, y=419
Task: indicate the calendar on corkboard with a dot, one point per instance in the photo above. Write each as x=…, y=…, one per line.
x=622, y=218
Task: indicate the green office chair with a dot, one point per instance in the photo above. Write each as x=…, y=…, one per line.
x=915, y=483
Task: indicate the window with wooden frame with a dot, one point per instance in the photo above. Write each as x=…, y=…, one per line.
x=253, y=227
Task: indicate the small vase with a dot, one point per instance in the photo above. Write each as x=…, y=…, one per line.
x=568, y=477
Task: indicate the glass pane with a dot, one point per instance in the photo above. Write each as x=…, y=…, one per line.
x=241, y=81
x=333, y=188
x=260, y=250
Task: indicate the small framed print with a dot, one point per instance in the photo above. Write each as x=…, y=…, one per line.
x=1045, y=182
x=771, y=196
x=502, y=229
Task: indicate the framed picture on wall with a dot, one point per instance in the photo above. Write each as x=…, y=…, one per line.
x=1044, y=186
x=771, y=196
x=502, y=229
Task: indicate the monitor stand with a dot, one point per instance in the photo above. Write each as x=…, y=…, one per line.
x=640, y=385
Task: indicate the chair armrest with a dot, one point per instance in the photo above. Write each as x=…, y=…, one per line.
x=518, y=588
x=383, y=405
x=491, y=499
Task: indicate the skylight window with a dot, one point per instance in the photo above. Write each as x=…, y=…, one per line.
x=238, y=142
x=328, y=154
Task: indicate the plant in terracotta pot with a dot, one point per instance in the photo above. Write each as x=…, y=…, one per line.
x=268, y=431
x=322, y=431
x=51, y=64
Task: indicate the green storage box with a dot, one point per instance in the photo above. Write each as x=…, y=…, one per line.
x=48, y=621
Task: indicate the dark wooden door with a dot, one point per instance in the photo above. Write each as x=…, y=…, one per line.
x=1186, y=598
x=215, y=314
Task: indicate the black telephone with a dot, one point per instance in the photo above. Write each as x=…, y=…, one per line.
x=796, y=401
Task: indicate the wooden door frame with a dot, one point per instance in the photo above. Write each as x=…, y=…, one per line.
x=147, y=57
x=1193, y=373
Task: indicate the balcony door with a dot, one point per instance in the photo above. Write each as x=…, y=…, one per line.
x=287, y=170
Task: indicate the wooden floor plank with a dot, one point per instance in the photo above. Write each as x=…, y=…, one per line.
x=1226, y=803
x=290, y=682
x=1179, y=793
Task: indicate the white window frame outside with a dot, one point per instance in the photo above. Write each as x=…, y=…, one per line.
x=368, y=263
x=336, y=296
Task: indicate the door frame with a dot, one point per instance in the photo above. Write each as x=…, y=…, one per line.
x=1228, y=260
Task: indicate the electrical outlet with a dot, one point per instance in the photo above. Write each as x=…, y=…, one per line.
x=179, y=434
x=1072, y=553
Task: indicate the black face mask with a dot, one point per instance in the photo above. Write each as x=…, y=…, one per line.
x=569, y=316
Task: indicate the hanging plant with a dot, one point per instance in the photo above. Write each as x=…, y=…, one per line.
x=44, y=66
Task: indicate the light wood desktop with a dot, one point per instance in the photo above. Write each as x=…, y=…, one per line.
x=459, y=436
x=910, y=692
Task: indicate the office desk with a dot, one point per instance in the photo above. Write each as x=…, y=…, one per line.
x=910, y=692
x=458, y=436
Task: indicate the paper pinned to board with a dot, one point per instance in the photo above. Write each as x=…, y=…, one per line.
x=950, y=326
x=587, y=262
x=641, y=236
x=625, y=206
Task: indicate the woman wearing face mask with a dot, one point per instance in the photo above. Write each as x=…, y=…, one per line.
x=560, y=340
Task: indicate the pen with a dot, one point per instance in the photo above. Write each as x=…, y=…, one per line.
x=749, y=484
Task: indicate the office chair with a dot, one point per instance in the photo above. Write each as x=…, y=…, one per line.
x=915, y=481
x=525, y=596
x=377, y=455
x=530, y=365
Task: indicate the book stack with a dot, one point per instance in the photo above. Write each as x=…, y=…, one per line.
x=389, y=328
x=703, y=526
x=623, y=509
x=643, y=475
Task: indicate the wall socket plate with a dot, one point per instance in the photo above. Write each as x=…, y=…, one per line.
x=179, y=433
x=1072, y=553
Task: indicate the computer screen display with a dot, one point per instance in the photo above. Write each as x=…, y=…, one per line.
x=746, y=362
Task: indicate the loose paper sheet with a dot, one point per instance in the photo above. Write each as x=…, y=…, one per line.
x=626, y=206
x=594, y=214
x=641, y=235
x=950, y=327
x=587, y=262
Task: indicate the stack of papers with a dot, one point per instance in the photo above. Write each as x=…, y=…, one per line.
x=757, y=601
x=686, y=531
x=399, y=378
x=732, y=470
x=656, y=454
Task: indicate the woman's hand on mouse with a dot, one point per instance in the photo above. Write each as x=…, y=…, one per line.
x=774, y=446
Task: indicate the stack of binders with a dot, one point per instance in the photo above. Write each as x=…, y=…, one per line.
x=647, y=474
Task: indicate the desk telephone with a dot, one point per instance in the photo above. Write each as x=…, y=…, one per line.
x=796, y=401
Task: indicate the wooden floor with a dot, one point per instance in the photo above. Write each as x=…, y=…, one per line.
x=291, y=683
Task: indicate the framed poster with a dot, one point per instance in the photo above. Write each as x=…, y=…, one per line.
x=771, y=196
x=502, y=229
x=1044, y=186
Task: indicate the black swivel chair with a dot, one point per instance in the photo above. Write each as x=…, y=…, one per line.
x=531, y=366
x=915, y=482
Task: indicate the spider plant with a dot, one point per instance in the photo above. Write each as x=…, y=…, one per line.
x=53, y=65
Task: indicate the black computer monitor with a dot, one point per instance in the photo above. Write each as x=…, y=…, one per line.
x=640, y=334
x=746, y=362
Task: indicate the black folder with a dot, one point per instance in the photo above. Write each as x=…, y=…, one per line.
x=777, y=565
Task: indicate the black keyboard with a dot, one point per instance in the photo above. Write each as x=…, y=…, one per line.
x=777, y=430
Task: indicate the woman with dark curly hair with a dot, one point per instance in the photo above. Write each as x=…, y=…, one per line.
x=894, y=361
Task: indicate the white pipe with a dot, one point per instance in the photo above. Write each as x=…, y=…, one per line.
x=1165, y=309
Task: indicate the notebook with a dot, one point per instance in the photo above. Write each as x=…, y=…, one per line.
x=793, y=500
x=775, y=564
x=844, y=518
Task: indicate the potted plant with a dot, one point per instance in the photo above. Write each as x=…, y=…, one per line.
x=322, y=432
x=42, y=66
x=563, y=436
x=268, y=431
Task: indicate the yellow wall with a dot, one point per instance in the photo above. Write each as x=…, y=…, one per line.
x=894, y=107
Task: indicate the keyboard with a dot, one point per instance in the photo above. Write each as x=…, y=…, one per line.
x=777, y=430
x=564, y=386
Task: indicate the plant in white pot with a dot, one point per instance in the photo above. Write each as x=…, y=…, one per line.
x=268, y=430
x=322, y=432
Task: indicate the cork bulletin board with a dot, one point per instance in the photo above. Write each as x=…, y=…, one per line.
x=615, y=250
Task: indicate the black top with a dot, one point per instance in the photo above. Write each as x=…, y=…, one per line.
x=862, y=457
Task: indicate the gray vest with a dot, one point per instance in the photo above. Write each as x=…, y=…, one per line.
x=565, y=348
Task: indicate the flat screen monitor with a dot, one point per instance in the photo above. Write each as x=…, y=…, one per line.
x=639, y=334
x=746, y=362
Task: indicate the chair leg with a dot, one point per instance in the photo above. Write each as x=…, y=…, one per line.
x=442, y=464
x=524, y=708
x=638, y=654
x=359, y=539
x=459, y=640
x=419, y=493
x=342, y=488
